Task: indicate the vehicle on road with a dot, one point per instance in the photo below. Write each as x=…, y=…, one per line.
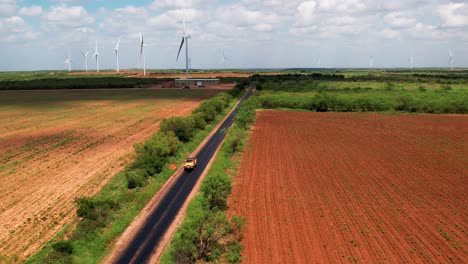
x=190, y=163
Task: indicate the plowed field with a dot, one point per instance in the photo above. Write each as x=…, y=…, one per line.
x=351, y=187
x=59, y=145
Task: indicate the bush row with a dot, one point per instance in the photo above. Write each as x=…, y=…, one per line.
x=78, y=83
x=152, y=156
x=206, y=234
x=367, y=103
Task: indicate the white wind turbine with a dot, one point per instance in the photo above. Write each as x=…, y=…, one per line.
x=68, y=61
x=85, y=56
x=411, y=62
x=185, y=38
x=371, y=62
x=450, y=59
x=223, y=60
x=96, y=55
x=142, y=45
x=116, y=49
x=318, y=61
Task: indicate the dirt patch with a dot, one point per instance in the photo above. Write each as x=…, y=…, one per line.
x=349, y=187
x=68, y=149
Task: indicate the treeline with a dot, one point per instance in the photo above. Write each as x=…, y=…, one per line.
x=207, y=234
x=297, y=77
x=118, y=203
x=78, y=83
x=435, y=102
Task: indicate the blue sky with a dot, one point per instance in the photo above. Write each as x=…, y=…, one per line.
x=37, y=34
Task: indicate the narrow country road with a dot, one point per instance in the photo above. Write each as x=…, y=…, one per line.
x=145, y=241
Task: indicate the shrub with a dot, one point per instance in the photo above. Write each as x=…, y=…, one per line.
x=63, y=246
x=422, y=88
x=207, y=110
x=153, y=154
x=182, y=127
x=198, y=121
x=135, y=179
x=445, y=87
x=215, y=190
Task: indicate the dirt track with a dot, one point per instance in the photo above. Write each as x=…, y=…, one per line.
x=346, y=187
x=51, y=156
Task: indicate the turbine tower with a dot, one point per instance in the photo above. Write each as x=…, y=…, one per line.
x=68, y=61
x=144, y=65
x=96, y=55
x=411, y=63
x=318, y=62
x=85, y=56
x=223, y=60
x=450, y=59
x=371, y=62
x=185, y=38
x=142, y=45
x=116, y=49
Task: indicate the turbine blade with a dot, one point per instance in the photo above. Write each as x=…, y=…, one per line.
x=118, y=42
x=180, y=48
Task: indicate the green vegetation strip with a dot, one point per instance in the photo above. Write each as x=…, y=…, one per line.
x=207, y=234
x=323, y=93
x=103, y=217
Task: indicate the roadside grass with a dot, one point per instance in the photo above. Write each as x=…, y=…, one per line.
x=91, y=245
x=207, y=233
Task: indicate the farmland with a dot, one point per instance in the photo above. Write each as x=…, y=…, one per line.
x=62, y=144
x=354, y=187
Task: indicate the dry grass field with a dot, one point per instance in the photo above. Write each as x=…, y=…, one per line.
x=59, y=145
x=354, y=187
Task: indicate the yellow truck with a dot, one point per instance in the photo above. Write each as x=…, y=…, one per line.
x=190, y=163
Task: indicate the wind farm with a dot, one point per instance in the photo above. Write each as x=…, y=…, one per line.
x=321, y=131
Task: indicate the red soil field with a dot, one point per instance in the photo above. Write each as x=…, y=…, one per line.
x=60, y=145
x=354, y=187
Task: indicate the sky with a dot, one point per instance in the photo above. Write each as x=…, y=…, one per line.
x=36, y=34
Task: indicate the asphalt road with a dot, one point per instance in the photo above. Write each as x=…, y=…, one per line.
x=140, y=248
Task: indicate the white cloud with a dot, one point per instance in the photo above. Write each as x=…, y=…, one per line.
x=15, y=28
x=399, y=20
x=306, y=13
x=33, y=10
x=7, y=7
x=454, y=14
x=166, y=4
x=62, y=16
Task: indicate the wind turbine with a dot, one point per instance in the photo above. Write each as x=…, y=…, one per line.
x=371, y=62
x=142, y=45
x=116, y=49
x=85, y=56
x=223, y=60
x=411, y=63
x=68, y=61
x=450, y=59
x=318, y=61
x=144, y=65
x=185, y=38
x=96, y=55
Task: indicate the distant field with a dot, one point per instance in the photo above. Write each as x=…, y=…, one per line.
x=59, y=145
x=354, y=187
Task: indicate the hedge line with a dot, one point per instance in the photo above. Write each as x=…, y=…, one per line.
x=78, y=83
x=437, y=103
x=207, y=234
x=105, y=216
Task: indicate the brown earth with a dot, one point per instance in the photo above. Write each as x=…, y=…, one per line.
x=49, y=155
x=353, y=187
